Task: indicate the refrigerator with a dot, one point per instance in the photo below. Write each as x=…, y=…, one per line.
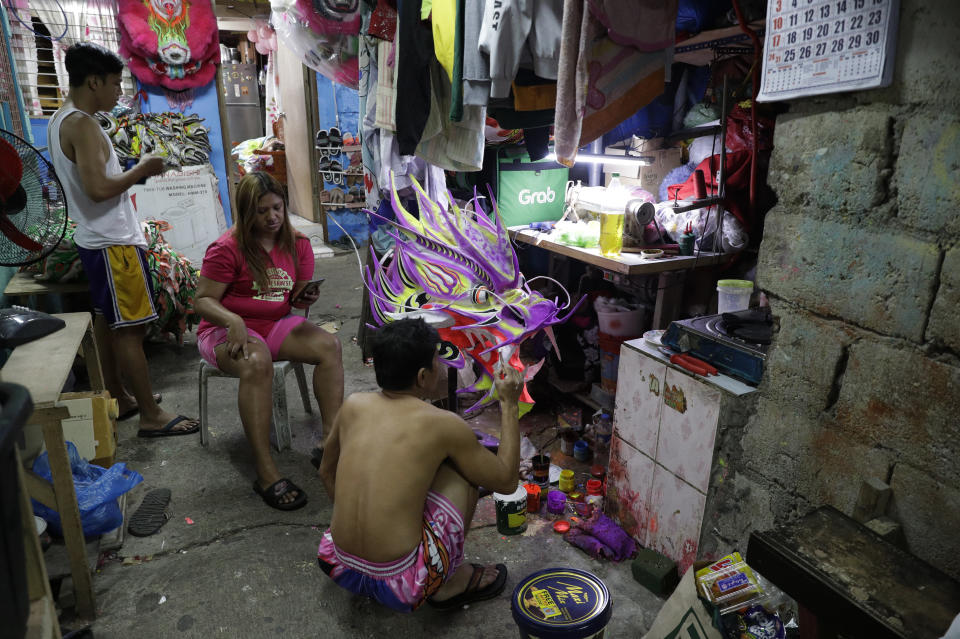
x=241, y=98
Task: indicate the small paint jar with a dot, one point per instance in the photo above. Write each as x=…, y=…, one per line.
x=566, y=483
x=556, y=501
x=533, y=498
x=581, y=450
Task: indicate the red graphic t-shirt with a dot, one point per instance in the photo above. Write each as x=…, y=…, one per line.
x=225, y=263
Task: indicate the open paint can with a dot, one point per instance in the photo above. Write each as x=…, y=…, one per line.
x=511, y=511
x=561, y=603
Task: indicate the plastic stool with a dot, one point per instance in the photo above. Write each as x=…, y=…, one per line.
x=281, y=420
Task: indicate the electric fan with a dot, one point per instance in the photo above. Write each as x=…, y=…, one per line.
x=33, y=219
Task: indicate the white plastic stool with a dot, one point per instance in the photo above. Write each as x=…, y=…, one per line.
x=281, y=420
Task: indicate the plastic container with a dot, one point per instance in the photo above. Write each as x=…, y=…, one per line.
x=561, y=603
x=511, y=511
x=533, y=497
x=581, y=450
x=556, y=502
x=623, y=324
x=566, y=480
x=541, y=471
x=734, y=295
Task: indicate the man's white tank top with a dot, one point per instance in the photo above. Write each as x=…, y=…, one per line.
x=99, y=224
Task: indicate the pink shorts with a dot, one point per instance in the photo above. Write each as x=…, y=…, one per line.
x=403, y=584
x=213, y=337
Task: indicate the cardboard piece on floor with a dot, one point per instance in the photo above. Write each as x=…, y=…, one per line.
x=683, y=614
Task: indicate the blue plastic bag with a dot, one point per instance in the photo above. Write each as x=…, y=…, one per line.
x=97, y=492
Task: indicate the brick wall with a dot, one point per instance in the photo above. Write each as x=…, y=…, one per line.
x=861, y=261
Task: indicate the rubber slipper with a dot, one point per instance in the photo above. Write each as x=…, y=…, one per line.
x=167, y=430
x=157, y=397
x=272, y=494
x=152, y=513
x=472, y=593
x=316, y=456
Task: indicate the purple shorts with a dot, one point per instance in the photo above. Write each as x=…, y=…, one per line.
x=213, y=337
x=405, y=583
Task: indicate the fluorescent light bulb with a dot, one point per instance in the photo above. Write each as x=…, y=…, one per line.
x=624, y=160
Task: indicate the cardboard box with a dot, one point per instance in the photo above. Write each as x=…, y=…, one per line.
x=92, y=425
x=647, y=177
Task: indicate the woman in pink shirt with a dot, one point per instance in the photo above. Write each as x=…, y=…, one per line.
x=252, y=276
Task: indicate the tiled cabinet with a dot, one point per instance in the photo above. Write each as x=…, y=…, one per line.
x=666, y=424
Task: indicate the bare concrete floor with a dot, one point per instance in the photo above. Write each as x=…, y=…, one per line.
x=228, y=565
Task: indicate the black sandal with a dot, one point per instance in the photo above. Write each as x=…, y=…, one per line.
x=152, y=513
x=472, y=593
x=273, y=493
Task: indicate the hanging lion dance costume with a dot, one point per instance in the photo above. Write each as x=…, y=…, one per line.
x=458, y=269
x=169, y=43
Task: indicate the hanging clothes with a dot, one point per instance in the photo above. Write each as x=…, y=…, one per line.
x=476, y=67
x=415, y=39
x=512, y=26
x=455, y=146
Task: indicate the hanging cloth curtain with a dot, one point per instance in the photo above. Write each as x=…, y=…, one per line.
x=87, y=20
x=274, y=109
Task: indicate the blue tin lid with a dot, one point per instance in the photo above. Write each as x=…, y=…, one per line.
x=561, y=603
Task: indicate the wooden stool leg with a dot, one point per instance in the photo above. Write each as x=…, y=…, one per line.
x=38, y=583
x=69, y=518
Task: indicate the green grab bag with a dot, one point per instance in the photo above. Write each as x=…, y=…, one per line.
x=529, y=191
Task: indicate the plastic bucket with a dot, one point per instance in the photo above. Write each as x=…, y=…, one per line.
x=561, y=603
x=623, y=323
x=733, y=295
x=511, y=511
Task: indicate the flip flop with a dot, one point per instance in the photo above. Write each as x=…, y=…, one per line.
x=157, y=397
x=152, y=513
x=472, y=593
x=167, y=430
x=272, y=494
x=336, y=140
x=323, y=142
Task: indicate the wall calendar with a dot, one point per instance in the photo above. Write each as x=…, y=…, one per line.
x=827, y=46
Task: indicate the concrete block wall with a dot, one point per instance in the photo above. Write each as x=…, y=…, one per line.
x=861, y=261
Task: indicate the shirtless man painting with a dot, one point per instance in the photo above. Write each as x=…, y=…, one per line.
x=404, y=476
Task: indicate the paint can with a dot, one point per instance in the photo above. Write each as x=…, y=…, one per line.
x=561, y=603
x=511, y=511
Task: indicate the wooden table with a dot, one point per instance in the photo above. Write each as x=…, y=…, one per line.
x=669, y=269
x=848, y=580
x=23, y=285
x=42, y=366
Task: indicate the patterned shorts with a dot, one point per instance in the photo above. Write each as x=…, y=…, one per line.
x=405, y=583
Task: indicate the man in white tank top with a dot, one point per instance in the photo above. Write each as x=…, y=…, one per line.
x=108, y=237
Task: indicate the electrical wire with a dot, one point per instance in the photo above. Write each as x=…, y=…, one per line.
x=29, y=25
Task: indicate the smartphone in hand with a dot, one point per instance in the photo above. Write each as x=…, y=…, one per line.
x=312, y=285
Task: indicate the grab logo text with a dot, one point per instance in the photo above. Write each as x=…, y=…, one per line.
x=527, y=196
